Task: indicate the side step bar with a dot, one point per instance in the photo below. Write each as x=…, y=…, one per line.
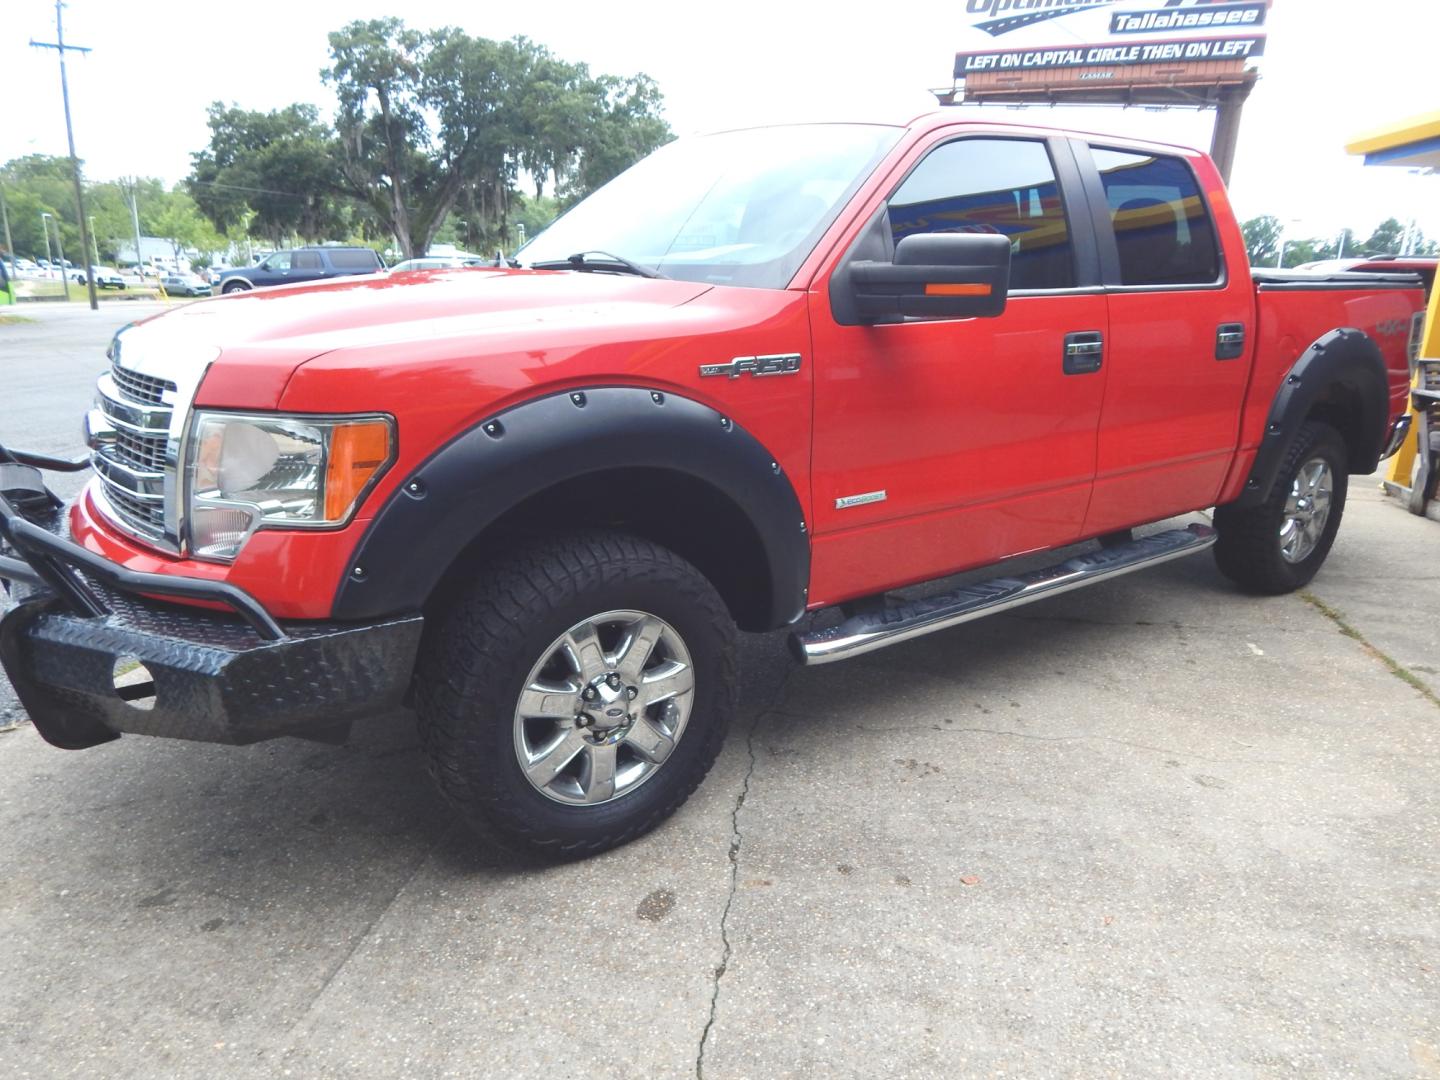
x=867, y=632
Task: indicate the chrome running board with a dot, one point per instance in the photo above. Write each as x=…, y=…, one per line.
x=870, y=631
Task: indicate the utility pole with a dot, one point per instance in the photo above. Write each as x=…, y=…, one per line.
x=135, y=221
x=45, y=232
x=60, y=248
x=60, y=47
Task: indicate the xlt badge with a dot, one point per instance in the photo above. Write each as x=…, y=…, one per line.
x=776, y=364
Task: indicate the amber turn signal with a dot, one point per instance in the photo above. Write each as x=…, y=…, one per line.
x=357, y=452
x=958, y=290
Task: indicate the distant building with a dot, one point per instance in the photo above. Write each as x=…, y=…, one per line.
x=155, y=251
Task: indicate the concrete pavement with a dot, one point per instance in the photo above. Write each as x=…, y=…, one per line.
x=1155, y=828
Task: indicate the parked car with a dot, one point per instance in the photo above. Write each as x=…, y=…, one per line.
x=107, y=277
x=185, y=285
x=302, y=264
x=435, y=262
x=538, y=504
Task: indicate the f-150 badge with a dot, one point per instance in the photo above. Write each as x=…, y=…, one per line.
x=777, y=364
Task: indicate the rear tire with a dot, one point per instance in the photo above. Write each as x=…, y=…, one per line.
x=1278, y=546
x=528, y=768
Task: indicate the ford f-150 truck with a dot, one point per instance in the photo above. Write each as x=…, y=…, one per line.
x=762, y=373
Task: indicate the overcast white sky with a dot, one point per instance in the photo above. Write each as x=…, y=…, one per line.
x=1333, y=69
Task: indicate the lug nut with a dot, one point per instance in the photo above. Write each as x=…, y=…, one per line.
x=614, y=681
x=632, y=693
x=589, y=694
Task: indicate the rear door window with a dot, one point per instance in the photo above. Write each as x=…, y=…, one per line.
x=306, y=260
x=1004, y=186
x=354, y=260
x=1162, y=226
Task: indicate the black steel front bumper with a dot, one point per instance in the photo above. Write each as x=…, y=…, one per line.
x=217, y=677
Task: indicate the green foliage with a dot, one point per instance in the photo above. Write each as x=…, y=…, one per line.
x=431, y=128
x=1262, y=239
x=1385, y=240
x=1263, y=236
x=268, y=174
x=433, y=122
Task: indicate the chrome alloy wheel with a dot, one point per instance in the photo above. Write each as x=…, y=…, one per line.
x=604, y=707
x=1306, y=510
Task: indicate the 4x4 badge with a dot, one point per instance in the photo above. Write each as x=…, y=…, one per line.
x=777, y=364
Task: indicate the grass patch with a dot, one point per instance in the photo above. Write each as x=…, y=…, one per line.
x=79, y=294
x=1400, y=671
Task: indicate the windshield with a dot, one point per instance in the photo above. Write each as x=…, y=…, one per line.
x=738, y=208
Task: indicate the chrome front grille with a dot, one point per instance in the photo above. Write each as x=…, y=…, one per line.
x=142, y=388
x=132, y=457
x=143, y=452
x=147, y=517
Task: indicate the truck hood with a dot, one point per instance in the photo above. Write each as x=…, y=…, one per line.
x=264, y=335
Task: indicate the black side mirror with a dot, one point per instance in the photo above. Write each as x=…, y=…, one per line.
x=935, y=276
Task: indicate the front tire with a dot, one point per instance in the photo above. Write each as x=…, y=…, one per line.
x=577, y=693
x=1279, y=545
x=234, y=287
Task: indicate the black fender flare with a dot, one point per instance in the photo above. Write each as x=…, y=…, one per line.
x=1347, y=359
x=438, y=510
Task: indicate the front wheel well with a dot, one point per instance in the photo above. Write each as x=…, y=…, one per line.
x=689, y=516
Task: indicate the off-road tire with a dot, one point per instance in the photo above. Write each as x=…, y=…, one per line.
x=476, y=658
x=1247, y=548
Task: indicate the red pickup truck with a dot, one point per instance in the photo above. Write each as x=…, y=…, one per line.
x=763, y=373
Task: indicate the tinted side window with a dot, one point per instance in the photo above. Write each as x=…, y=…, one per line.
x=306, y=260
x=354, y=260
x=1005, y=186
x=1162, y=226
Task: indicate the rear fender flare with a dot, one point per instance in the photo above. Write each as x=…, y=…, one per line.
x=1347, y=360
x=447, y=502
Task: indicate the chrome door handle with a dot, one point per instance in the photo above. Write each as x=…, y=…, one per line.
x=1084, y=352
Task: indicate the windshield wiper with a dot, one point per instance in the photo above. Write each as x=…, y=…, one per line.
x=607, y=262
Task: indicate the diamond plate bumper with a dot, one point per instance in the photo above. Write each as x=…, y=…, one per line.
x=218, y=676
x=214, y=681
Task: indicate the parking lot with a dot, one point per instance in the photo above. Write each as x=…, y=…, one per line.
x=1154, y=828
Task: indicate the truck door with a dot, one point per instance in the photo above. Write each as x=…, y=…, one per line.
x=1180, y=333
x=947, y=443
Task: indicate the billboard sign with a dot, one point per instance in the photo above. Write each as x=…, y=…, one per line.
x=1041, y=35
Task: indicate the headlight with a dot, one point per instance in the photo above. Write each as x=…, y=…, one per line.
x=247, y=472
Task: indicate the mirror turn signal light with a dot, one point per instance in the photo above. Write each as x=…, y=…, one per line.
x=979, y=289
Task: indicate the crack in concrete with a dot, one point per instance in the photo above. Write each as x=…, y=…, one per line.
x=735, y=842
x=1399, y=670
